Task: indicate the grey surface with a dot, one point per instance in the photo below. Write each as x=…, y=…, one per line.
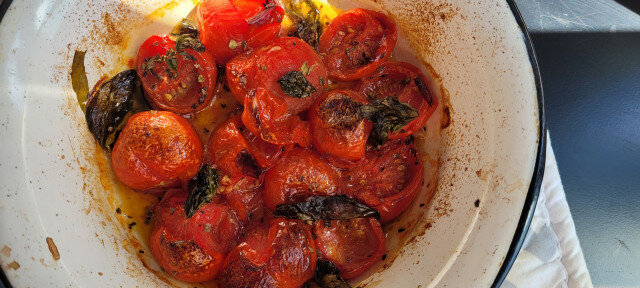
x=577, y=16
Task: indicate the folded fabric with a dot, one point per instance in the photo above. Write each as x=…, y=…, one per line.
x=551, y=255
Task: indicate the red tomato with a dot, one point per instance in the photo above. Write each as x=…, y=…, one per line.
x=356, y=43
x=228, y=27
x=243, y=197
x=237, y=152
x=156, y=150
x=299, y=175
x=405, y=81
x=185, y=88
x=388, y=179
x=279, y=254
x=353, y=245
x=336, y=125
x=194, y=249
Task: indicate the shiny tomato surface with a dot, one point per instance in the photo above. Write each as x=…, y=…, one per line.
x=408, y=84
x=300, y=174
x=229, y=27
x=388, y=179
x=356, y=43
x=177, y=80
x=243, y=197
x=156, y=150
x=193, y=249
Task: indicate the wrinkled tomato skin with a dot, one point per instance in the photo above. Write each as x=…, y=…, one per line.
x=182, y=94
x=356, y=43
x=336, y=125
x=244, y=198
x=194, y=249
x=391, y=80
x=353, y=245
x=156, y=150
x=298, y=176
x=249, y=23
x=279, y=253
x=388, y=179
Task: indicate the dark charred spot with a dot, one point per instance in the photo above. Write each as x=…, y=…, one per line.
x=247, y=164
x=340, y=112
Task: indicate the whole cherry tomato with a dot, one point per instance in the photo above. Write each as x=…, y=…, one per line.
x=356, y=43
x=156, y=150
x=193, y=249
x=175, y=78
x=243, y=197
x=228, y=27
x=409, y=85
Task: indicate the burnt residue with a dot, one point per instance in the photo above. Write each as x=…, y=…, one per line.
x=53, y=249
x=340, y=112
x=446, y=118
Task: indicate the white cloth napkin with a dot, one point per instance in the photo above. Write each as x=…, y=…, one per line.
x=551, y=255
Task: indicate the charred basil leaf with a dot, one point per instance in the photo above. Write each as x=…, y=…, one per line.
x=79, y=78
x=185, y=27
x=424, y=90
x=294, y=84
x=201, y=189
x=387, y=115
x=187, y=41
x=111, y=104
x=326, y=208
x=305, y=16
x=327, y=276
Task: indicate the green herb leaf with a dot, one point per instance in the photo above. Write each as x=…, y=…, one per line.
x=304, y=68
x=111, y=104
x=326, y=208
x=294, y=84
x=185, y=27
x=306, y=18
x=201, y=189
x=387, y=115
x=79, y=78
x=233, y=44
x=188, y=41
x=327, y=276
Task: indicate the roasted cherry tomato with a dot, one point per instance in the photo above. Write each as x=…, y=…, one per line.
x=300, y=174
x=353, y=245
x=228, y=27
x=336, y=125
x=177, y=80
x=405, y=81
x=193, y=249
x=156, y=150
x=237, y=152
x=388, y=179
x=281, y=254
x=356, y=43
x=244, y=197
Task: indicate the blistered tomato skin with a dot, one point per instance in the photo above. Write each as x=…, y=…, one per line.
x=156, y=150
x=229, y=27
x=185, y=86
x=353, y=245
x=336, y=125
x=279, y=253
x=408, y=83
x=388, y=179
x=193, y=249
x=299, y=175
x=356, y=43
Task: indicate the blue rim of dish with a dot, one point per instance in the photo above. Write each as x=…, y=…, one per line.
x=538, y=172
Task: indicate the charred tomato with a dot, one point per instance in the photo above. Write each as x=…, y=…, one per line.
x=156, y=150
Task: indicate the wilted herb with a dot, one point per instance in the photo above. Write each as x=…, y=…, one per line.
x=111, y=104
x=187, y=41
x=294, y=84
x=327, y=276
x=185, y=27
x=201, y=189
x=387, y=115
x=326, y=208
x=305, y=16
x=79, y=78
x=233, y=44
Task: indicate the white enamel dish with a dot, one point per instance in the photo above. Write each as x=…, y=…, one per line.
x=487, y=162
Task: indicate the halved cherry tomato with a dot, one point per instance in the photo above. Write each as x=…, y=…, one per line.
x=228, y=27
x=356, y=43
x=388, y=179
x=156, y=150
x=353, y=245
x=244, y=197
x=336, y=125
x=299, y=175
x=405, y=81
x=236, y=151
x=194, y=249
x=279, y=254
x=181, y=81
